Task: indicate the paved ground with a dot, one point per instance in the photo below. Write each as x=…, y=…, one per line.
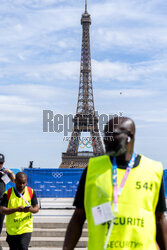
x=58, y=210
x=54, y=214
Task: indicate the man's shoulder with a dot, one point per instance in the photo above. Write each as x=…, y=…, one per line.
x=98, y=164
x=151, y=164
x=29, y=188
x=99, y=158
x=30, y=191
x=9, y=190
x=150, y=160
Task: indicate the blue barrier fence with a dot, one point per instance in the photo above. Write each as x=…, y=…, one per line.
x=49, y=182
x=57, y=182
x=165, y=182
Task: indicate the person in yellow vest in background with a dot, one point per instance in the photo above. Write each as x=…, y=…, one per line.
x=121, y=195
x=18, y=204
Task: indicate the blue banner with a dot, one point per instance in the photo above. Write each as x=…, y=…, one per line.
x=165, y=182
x=49, y=182
x=60, y=183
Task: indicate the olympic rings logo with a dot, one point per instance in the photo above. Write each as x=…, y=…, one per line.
x=57, y=174
x=88, y=143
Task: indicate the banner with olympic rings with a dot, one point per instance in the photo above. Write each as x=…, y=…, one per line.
x=60, y=183
x=49, y=183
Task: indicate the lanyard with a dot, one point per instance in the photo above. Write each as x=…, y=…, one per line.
x=20, y=195
x=117, y=191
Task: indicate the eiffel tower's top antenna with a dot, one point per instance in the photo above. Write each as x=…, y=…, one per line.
x=85, y=6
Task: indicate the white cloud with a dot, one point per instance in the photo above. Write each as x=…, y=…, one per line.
x=132, y=25
x=129, y=71
x=24, y=103
x=140, y=38
x=151, y=118
x=4, y=60
x=17, y=109
x=17, y=119
x=43, y=72
x=107, y=70
x=119, y=11
x=24, y=93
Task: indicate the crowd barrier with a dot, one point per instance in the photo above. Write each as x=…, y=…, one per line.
x=49, y=182
x=60, y=183
x=165, y=182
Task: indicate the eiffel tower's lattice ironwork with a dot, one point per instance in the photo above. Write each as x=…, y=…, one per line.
x=85, y=119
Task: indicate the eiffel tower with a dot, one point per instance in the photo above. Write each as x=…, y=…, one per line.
x=85, y=119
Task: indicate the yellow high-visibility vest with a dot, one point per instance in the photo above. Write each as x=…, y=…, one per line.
x=134, y=225
x=19, y=222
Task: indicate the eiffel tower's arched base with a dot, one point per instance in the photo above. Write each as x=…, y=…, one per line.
x=77, y=161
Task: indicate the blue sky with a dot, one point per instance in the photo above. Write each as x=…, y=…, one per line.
x=40, y=49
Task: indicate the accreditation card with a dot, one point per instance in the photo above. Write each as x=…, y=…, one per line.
x=102, y=213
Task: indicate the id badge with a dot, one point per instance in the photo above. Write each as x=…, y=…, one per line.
x=102, y=213
x=5, y=178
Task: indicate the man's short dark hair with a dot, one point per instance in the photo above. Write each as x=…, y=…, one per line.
x=21, y=175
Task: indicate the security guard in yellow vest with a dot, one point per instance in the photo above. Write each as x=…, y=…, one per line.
x=18, y=204
x=124, y=200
